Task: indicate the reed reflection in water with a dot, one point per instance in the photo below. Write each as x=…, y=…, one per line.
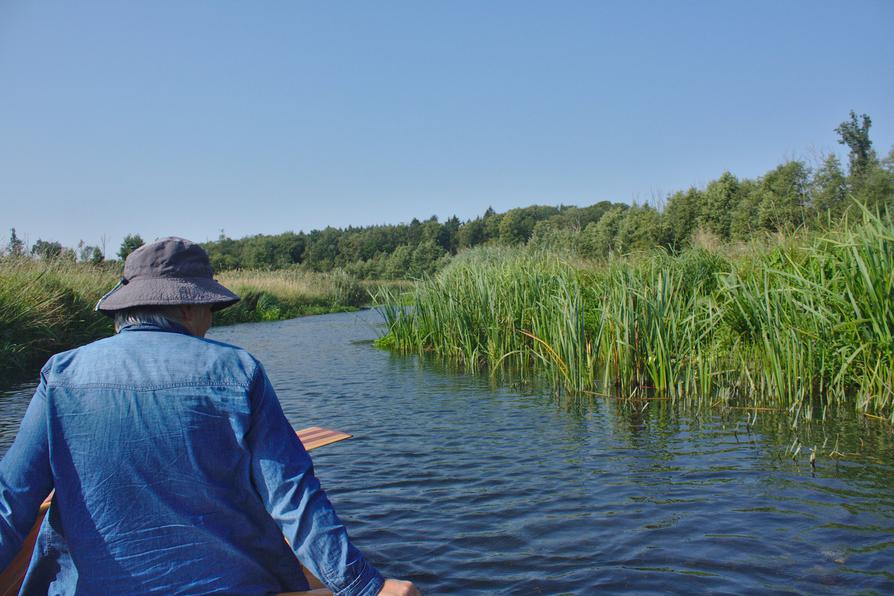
x=470, y=487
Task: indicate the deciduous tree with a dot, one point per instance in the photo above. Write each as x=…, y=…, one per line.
x=828, y=190
x=783, y=193
x=130, y=243
x=46, y=250
x=720, y=200
x=855, y=134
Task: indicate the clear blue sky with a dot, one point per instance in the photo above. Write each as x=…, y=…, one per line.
x=183, y=118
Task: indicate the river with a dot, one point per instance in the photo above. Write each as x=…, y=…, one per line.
x=467, y=487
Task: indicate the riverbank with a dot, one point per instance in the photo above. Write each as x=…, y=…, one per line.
x=47, y=306
x=799, y=324
x=613, y=476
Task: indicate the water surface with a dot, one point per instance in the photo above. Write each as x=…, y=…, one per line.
x=470, y=488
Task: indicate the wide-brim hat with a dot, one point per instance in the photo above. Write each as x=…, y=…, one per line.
x=167, y=272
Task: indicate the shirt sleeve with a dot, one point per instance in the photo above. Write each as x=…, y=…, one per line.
x=25, y=478
x=284, y=478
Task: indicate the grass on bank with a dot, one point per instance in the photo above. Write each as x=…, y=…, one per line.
x=802, y=325
x=47, y=306
x=288, y=293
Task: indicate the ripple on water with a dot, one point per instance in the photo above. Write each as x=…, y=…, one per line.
x=467, y=489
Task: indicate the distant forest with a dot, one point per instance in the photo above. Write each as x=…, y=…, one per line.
x=791, y=196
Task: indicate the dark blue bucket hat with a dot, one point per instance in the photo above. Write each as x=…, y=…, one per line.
x=167, y=272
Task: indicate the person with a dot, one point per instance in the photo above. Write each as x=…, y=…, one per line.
x=174, y=467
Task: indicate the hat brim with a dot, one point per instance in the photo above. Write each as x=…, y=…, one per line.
x=160, y=291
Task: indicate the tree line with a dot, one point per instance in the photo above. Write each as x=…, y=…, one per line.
x=789, y=197
x=52, y=250
x=405, y=250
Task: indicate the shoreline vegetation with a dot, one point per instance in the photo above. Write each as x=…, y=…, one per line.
x=802, y=323
x=775, y=291
x=46, y=306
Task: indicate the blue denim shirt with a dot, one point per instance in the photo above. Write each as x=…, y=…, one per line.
x=175, y=472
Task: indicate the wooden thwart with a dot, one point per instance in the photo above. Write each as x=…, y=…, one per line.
x=12, y=577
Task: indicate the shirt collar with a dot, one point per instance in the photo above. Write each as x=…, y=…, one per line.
x=170, y=327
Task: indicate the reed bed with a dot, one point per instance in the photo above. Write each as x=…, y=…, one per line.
x=288, y=293
x=803, y=325
x=47, y=306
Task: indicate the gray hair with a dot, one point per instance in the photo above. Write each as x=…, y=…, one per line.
x=163, y=316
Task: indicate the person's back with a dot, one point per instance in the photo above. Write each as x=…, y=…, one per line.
x=174, y=467
x=151, y=445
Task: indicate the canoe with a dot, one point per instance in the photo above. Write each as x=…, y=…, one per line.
x=12, y=577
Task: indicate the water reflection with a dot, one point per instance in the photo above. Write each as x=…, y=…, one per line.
x=468, y=484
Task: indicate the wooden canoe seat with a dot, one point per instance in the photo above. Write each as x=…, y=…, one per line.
x=12, y=577
x=317, y=436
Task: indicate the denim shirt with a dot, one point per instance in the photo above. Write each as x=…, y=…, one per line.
x=175, y=472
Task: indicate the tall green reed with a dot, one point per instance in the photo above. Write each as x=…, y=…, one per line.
x=801, y=326
x=46, y=307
